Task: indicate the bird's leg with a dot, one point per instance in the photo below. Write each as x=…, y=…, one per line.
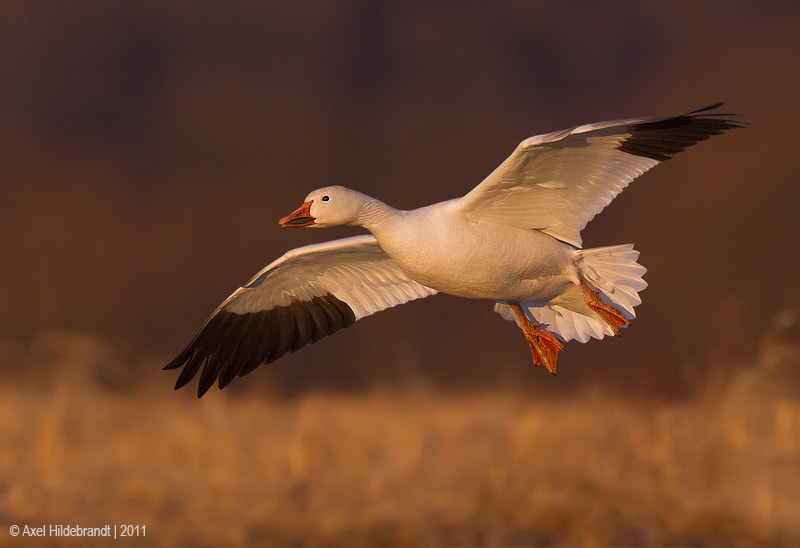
x=544, y=345
x=608, y=313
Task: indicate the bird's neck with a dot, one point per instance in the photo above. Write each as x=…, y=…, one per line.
x=375, y=215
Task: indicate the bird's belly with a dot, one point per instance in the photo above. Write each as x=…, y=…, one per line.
x=488, y=262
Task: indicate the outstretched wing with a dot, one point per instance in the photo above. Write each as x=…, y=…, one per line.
x=558, y=182
x=306, y=294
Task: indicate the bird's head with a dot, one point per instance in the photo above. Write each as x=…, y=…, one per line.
x=328, y=206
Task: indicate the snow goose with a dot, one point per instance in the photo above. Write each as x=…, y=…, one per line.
x=514, y=240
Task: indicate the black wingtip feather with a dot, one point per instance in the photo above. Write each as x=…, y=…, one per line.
x=661, y=139
x=231, y=344
x=303, y=326
x=710, y=107
x=182, y=358
x=241, y=351
x=191, y=369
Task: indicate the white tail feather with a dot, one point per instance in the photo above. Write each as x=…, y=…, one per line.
x=611, y=271
x=614, y=273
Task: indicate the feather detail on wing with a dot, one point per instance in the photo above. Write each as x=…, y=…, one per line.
x=306, y=294
x=558, y=182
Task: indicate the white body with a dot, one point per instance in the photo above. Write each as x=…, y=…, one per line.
x=439, y=248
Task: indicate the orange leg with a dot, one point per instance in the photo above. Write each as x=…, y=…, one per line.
x=544, y=345
x=608, y=313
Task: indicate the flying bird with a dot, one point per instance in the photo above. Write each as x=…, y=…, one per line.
x=515, y=240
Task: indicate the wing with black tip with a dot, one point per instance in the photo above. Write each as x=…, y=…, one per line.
x=306, y=294
x=559, y=181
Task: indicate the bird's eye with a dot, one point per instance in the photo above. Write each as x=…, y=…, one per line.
x=325, y=198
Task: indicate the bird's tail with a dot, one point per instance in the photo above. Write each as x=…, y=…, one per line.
x=610, y=271
x=614, y=273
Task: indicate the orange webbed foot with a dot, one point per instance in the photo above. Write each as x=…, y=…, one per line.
x=544, y=345
x=608, y=313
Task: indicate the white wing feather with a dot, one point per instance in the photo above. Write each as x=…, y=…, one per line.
x=558, y=182
x=355, y=270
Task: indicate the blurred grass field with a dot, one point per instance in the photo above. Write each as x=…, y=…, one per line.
x=396, y=468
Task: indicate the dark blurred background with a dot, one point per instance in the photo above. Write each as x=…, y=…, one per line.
x=148, y=149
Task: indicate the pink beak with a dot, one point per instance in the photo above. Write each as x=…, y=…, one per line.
x=300, y=217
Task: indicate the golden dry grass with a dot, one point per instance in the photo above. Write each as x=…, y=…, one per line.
x=408, y=468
